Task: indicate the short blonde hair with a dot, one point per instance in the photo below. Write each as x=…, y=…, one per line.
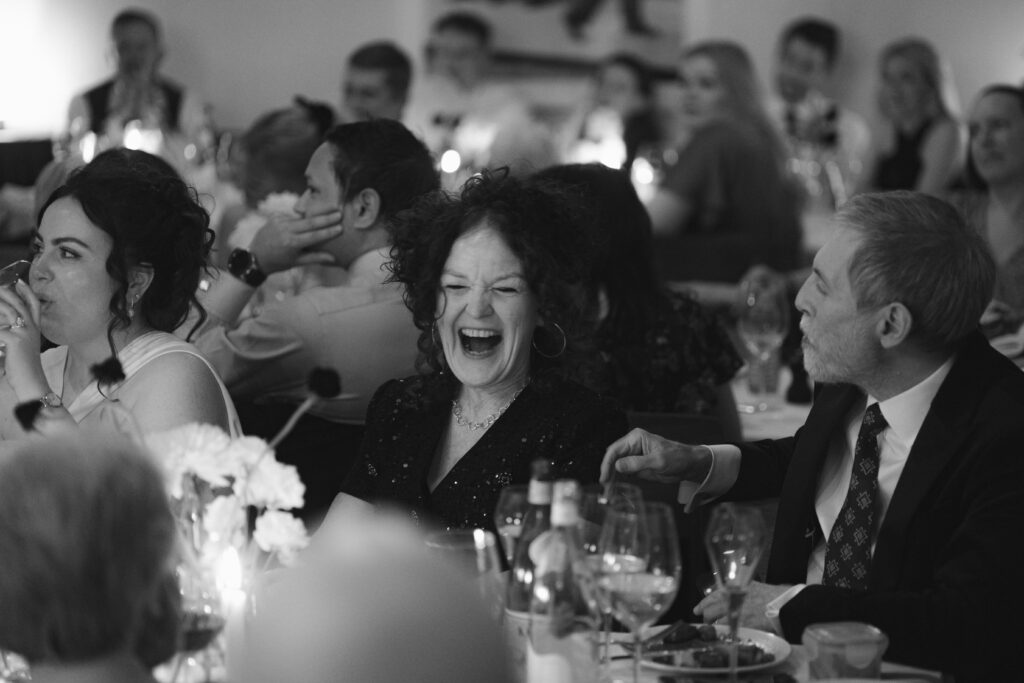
x=86, y=537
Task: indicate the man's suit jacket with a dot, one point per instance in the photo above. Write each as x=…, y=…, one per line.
x=947, y=574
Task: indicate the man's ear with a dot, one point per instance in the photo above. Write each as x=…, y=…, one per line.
x=366, y=206
x=894, y=325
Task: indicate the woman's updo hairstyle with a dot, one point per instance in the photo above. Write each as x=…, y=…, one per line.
x=155, y=220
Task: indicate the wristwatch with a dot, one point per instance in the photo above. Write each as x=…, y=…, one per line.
x=51, y=400
x=243, y=265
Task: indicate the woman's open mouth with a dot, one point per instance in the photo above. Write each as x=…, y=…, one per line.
x=478, y=342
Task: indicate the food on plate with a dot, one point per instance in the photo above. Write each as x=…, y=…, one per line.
x=699, y=646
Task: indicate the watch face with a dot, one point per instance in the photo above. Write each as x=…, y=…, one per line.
x=239, y=261
x=244, y=266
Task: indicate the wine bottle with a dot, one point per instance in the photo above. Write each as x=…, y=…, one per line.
x=536, y=521
x=560, y=615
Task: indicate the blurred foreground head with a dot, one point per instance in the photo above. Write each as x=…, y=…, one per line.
x=86, y=537
x=374, y=606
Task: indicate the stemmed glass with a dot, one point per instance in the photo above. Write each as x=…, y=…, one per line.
x=597, y=500
x=735, y=541
x=762, y=324
x=512, y=505
x=640, y=566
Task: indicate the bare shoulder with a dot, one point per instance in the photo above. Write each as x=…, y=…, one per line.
x=172, y=389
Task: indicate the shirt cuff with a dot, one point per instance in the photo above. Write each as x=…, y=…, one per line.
x=772, y=609
x=725, y=468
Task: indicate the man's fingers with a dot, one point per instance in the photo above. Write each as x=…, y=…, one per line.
x=631, y=443
x=711, y=608
x=311, y=238
x=316, y=258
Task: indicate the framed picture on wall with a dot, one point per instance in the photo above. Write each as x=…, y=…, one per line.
x=565, y=37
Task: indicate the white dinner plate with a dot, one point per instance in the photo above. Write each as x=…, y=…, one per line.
x=769, y=642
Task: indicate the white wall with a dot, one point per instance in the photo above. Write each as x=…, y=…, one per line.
x=983, y=40
x=244, y=56
x=249, y=56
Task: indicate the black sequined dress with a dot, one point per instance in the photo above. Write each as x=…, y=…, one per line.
x=556, y=419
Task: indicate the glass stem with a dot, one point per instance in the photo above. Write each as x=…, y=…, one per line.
x=736, y=598
x=606, y=628
x=638, y=654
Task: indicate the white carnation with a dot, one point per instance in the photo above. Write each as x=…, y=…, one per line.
x=273, y=485
x=279, y=532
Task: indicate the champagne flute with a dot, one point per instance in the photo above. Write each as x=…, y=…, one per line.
x=735, y=542
x=762, y=324
x=641, y=567
x=509, y=513
x=594, y=506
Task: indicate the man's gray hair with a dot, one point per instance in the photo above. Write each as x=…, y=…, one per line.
x=918, y=250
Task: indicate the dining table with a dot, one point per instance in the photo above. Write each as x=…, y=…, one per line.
x=796, y=667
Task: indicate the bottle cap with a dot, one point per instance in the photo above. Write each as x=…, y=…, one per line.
x=539, y=491
x=565, y=503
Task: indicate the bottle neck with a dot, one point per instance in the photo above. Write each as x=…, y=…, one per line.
x=564, y=514
x=539, y=492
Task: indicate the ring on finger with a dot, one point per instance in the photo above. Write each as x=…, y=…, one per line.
x=19, y=322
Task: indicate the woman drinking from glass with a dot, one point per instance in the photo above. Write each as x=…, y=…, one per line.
x=115, y=267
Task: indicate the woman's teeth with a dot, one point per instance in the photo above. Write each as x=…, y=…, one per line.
x=479, y=341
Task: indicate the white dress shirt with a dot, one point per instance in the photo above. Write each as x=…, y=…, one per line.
x=904, y=414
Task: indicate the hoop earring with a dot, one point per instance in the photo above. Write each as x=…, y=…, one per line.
x=560, y=351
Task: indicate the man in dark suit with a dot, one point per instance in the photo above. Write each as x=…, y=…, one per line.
x=901, y=499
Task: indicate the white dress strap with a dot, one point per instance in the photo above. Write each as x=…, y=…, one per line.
x=133, y=357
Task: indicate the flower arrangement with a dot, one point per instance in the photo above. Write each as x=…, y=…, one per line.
x=224, y=477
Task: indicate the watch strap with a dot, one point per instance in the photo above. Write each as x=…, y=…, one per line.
x=244, y=265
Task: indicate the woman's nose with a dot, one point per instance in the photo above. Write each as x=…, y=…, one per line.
x=39, y=269
x=479, y=303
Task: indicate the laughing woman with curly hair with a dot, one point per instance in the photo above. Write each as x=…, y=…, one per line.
x=498, y=304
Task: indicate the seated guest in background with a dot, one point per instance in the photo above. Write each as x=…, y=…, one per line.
x=457, y=105
x=621, y=119
x=357, y=181
x=729, y=202
x=137, y=92
x=922, y=148
x=271, y=160
x=496, y=300
x=660, y=350
x=323, y=622
x=376, y=83
x=88, y=591
x=812, y=121
x=900, y=491
x=994, y=200
x=115, y=267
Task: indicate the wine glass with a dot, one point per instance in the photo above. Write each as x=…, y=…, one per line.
x=513, y=503
x=640, y=566
x=474, y=554
x=735, y=541
x=597, y=500
x=762, y=324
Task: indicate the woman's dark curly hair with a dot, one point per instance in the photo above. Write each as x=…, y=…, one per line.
x=539, y=222
x=154, y=219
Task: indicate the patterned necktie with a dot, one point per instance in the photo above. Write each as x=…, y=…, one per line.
x=848, y=553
